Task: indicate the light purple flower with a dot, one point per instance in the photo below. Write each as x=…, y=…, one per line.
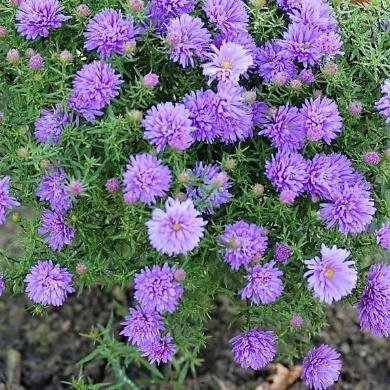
x=37, y=17
x=306, y=76
x=108, y=32
x=202, y=106
x=168, y=124
x=242, y=38
x=233, y=115
x=271, y=60
x=6, y=201
x=321, y=367
x=373, y=306
x=383, y=236
x=372, y=158
x=330, y=44
x=264, y=284
x=352, y=210
x=178, y=229
x=55, y=230
x=227, y=15
x=331, y=277
x=227, y=63
x=36, y=62
x=322, y=119
x=282, y=252
x=254, y=349
x=300, y=42
x=53, y=190
x=142, y=325
x=383, y=104
x=287, y=171
x=188, y=38
x=159, y=350
x=289, y=5
x=94, y=86
x=147, y=178
x=2, y=285
x=327, y=173
x=49, y=126
x=48, y=283
x=206, y=189
x=284, y=127
x=243, y=243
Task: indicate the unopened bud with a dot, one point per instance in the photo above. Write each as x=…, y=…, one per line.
x=22, y=152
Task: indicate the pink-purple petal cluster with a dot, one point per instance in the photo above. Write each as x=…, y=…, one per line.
x=159, y=350
x=7, y=202
x=383, y=104
x=49, y=126
x=383, y=236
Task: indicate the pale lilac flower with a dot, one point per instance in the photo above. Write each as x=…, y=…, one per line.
x=142, y=325
x=383, y=104
x=178, y=229
x=2, y=285
x=287, y=197
x=36, y=62
x=383, y=236
x=147, y=178
x=159, y=350
x=264, y=284
x=321, y=367
x=254, y=349
x=55, y=230
x=329, y=44
x=6, y=201
x=282, y=252
x=188, y=38
x=331, y=277
x=37, y=17
x=48, y=283
x=227, y=63
x=50, y=124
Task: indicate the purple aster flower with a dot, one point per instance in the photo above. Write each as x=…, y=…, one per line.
x=242, y=38
x=296, y=321
x=284, y=127
x=6, y=201
x=314, y=13
x=227, y=63
x=208, y=187
x=383, y=104
x=374, y=303
x=36, y=62
x=168, y=124
x=2, y=285
x=287, y=171
x=49, y=126
x=147, y=178
x=327, y=173
x=330, y=44
x=112, y=185
x=300, y=42
x=372, y=158
x=48, y=283
x=352, y=209
x=321, y=367
x=289, y=5
x=254, y=349
x=331, y=277
x=322, y=119
x=108, y=32
x=178, y=229
x=150, y=80
x=142, y=325
x=159, y=350
x=94, y=86
x=271, y=60
x=227, y=15
x=202, y=106
x=188, y=38
x=156, y=288
x=55, y=231
x=264, y=284
x=306, y=76
x=243, y=243
x=160, y=12
x=36, y=17
x=383, y=236
x=282, y=252
x=233, y=115
x=53, y=190
x=259, y=111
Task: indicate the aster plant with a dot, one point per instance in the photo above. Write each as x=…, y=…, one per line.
x=184, y=150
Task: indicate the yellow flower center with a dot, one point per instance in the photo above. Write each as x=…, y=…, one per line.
x=176, y=227
x=227, y=64
x=329, y=273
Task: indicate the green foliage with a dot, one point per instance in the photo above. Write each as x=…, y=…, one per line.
x=111, y=237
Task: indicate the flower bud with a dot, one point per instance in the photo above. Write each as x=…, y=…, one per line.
x=150, y=80
x=66, y=56
x=15, y=217
x=372, y=158
x=296, y=321
x=129, y=198
x=22, y=152
x=75, y=187
x=112, y=185
x=296, y=84
x=13, y=56
x=258, y=189
x=287, y=197
x=36, y=62
x=44, y=164
x=81, y=268
x=82, y=10
x=355, y=108
x=250, y=96
x=136, y=5
x=3, y=31
x=184, y=177
x=29, y=52
x=135, y=115
x=330, y=69
x=130, y=47
x=181, y=196
x=180, y=275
